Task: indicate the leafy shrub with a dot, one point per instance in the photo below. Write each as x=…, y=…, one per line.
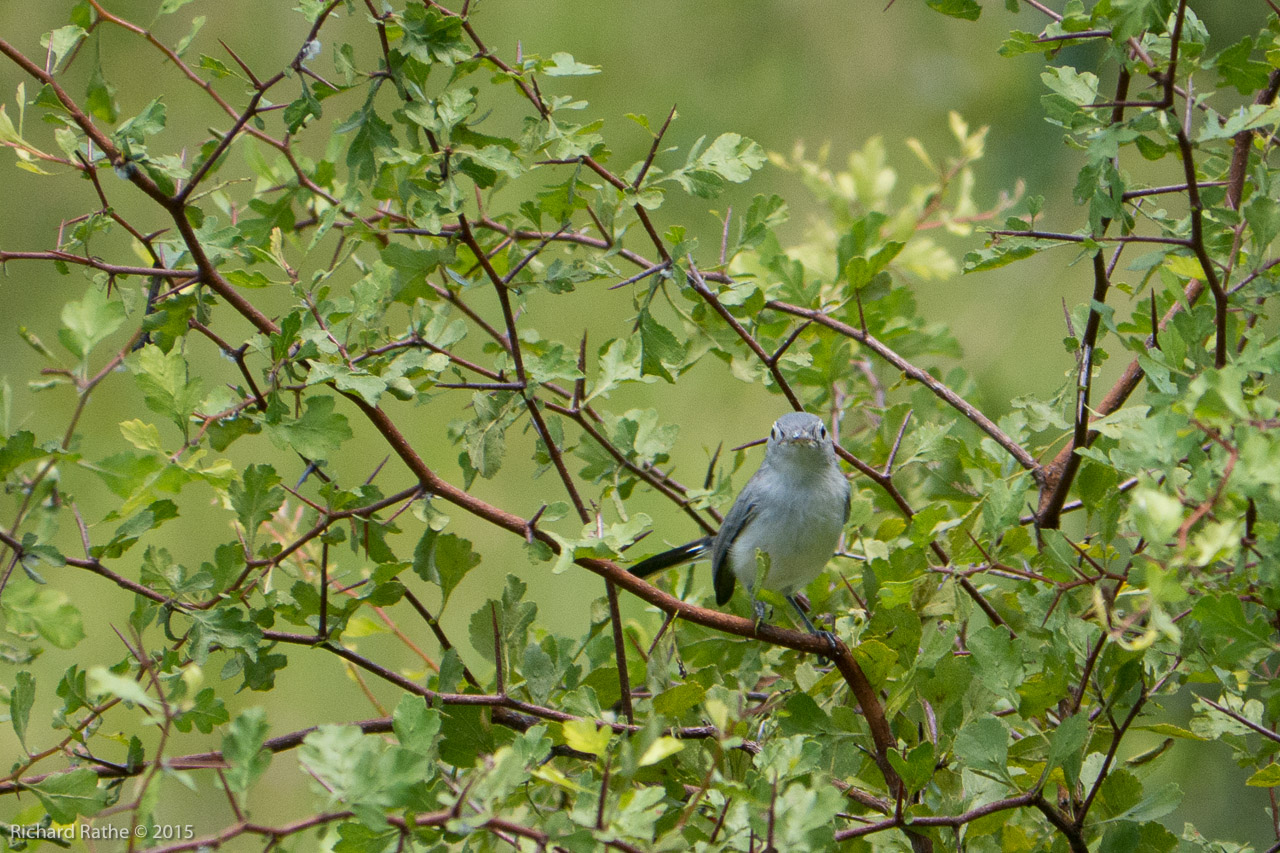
x=1017, y=594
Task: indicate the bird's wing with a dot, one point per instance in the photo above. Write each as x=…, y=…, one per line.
x=740, y=515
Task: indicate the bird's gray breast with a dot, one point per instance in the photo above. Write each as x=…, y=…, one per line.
x=798, y=519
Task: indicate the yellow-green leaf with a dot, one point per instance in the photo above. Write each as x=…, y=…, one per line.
x=583, y=736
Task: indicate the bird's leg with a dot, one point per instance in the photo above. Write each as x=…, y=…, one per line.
x=758, y=609
x=804, y=617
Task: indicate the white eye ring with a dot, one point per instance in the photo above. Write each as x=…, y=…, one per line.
x=773, y=434
x=822, y=431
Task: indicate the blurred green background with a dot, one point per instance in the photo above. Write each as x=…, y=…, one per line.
x=779, y=73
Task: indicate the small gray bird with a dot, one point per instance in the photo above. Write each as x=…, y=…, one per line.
x=792, y=509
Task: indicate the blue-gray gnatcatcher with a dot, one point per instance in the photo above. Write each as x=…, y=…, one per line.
x=792, y=509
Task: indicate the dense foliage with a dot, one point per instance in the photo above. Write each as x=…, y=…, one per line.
x=395, y=220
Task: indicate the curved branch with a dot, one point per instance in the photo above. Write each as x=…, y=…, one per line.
x=951, y=398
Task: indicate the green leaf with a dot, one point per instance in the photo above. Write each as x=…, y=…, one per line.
x=1131, y=17
x=18, y=449
x=224, y=627
x=444, y=559
x=619, y=362
x=316, y=435
x=967, y=10
x=541, y=674
x=256, y=498
x=242, y=749
x=1263, y=215
x=167, y=386
x=103, y=681
x=661, y=748
x=1237, y=68
x=432, y=37
x=216, y=67
x=1164, y=800
x=515, y=614
x=302, y=109
x=679, y=699
x=998, y=660
x=90, y=321
x=206, y=712
x=68, y=795
x=133, y=528
x=916, y=769
x=417, y=262
x=373, y=140
x=143, y=436
x=564, y=65
x=585, y=736
x=730, y=158
x=62, y=41
x=999, y=255
x=31, y=607
x=485, y=165
x=365, y=385
x=21, y=698
x=658, y=347
x=364, y=773
x=338, y=756
x=1239, y=120
x=1170, y=730
x=876, y=659
x=1066, y=746
x=1018, y=43
x=197, y=24
x=1267, y=777
x=100, y=97
x=983, y=745
x=465, y=735
x=146, y=123
x=485, y=436
x=416, y=726
x=1080, y=88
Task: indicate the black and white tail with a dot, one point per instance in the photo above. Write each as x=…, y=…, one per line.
x=674, y=557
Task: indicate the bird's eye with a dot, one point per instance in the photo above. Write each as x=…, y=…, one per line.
x=773, y=434
x=822, y=432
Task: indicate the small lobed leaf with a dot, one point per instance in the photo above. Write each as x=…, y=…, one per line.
x=242, y=749
x=255, y=498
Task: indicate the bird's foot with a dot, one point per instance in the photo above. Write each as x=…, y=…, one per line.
x=759, y=612
x=832, y=641
x=828, y=636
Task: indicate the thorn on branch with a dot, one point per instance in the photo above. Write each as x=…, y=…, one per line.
x=377, y=469
x=483, y=386
x=724, y=237
x=791, y=339
x=1155, y=323
x=643, y=274
x=257, y=84
x=322, y=629
x=531, y=526
x=500, y=680
x=580, y=384
x=751, y=443
x=653, y=149
x=897, y=442
x=711, y=467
